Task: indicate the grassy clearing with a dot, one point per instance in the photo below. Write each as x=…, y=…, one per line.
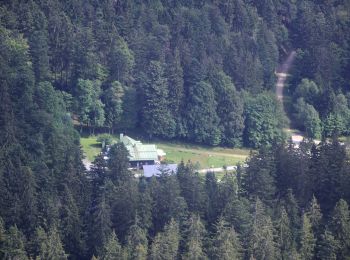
x=205, y=156
x=90, y=147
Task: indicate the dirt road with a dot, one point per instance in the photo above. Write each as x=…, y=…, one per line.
x=282, y=73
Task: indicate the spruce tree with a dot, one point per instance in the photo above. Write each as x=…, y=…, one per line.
x=202, y=119
x=229, y=109
x=113, y=100
x=14, y=245
x=226, y=244
x=340, y=226
x=195, y=234
x=307, y=239
x=156, y=117
x=111, y=248
x=315, y=215
x=286, y=241
x=327, y=247
x=136, y=242
x=51, y=246
x=166, y=243
x=118, y=164
x=261, y=243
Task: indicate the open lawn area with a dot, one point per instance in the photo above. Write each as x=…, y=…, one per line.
x=205, y=156
x=90, y=147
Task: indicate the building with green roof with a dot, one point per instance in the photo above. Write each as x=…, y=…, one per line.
x=141, y=154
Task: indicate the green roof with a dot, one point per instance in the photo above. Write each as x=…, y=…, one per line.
x=138, y=151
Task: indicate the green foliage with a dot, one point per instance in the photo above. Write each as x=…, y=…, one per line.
x=137, y=244
x=166, y=244
x=194, y=242
x=111, y=248
x=191, y=70
x=202, y=121
x=261, y=242
x=50, y=245
x=341, y=227
x=307, y=239
x=105, y=139
x=89, y=107
x=156, y=119
x=226, y=244
x=113, y=100
x=229, y=109
x=14, y=244
x=328, y=246
x=308, y=117
x=264, y=120
x=259, y=178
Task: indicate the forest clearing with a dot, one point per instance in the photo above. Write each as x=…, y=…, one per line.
x=204, y=157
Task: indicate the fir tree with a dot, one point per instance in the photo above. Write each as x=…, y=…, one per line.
x=136, y=242
x=166, y=244
x=340, y=225
x=226, y=244
x=156, y=117
x=194, y=239
x=111, y=248
x=307, y=239
x=14, y=244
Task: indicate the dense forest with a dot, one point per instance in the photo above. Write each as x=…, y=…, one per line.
x=198, y=71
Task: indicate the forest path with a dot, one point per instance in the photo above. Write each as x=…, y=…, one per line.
x=282, y=74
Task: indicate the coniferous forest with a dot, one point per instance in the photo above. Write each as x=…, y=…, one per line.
x=199, y=71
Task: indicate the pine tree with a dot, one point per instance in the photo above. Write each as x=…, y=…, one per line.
x=315, y=215
x=174, y=74
x=194, y=239
x=166, y=244
x=111, y=248
x=136, y=242
x=118, y=164
x=286, y=241
x=229, y=109
x=50, y=245
x=260, y=177
x=202, y=119
x=307, y=239
x=164, y=197
x=212, y=201
x=192, y=188
x=261, y=243
x=340, y=225
x=113, y=101
x=156, y=117
x=327, y=247
x=14, y=244
x=226, y=244
x=237, y=213
x=101, y=223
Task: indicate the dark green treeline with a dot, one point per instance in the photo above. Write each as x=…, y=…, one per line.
x=195, y=70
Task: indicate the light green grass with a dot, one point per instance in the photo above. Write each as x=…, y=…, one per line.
x=90, y=147
x=205, y=156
